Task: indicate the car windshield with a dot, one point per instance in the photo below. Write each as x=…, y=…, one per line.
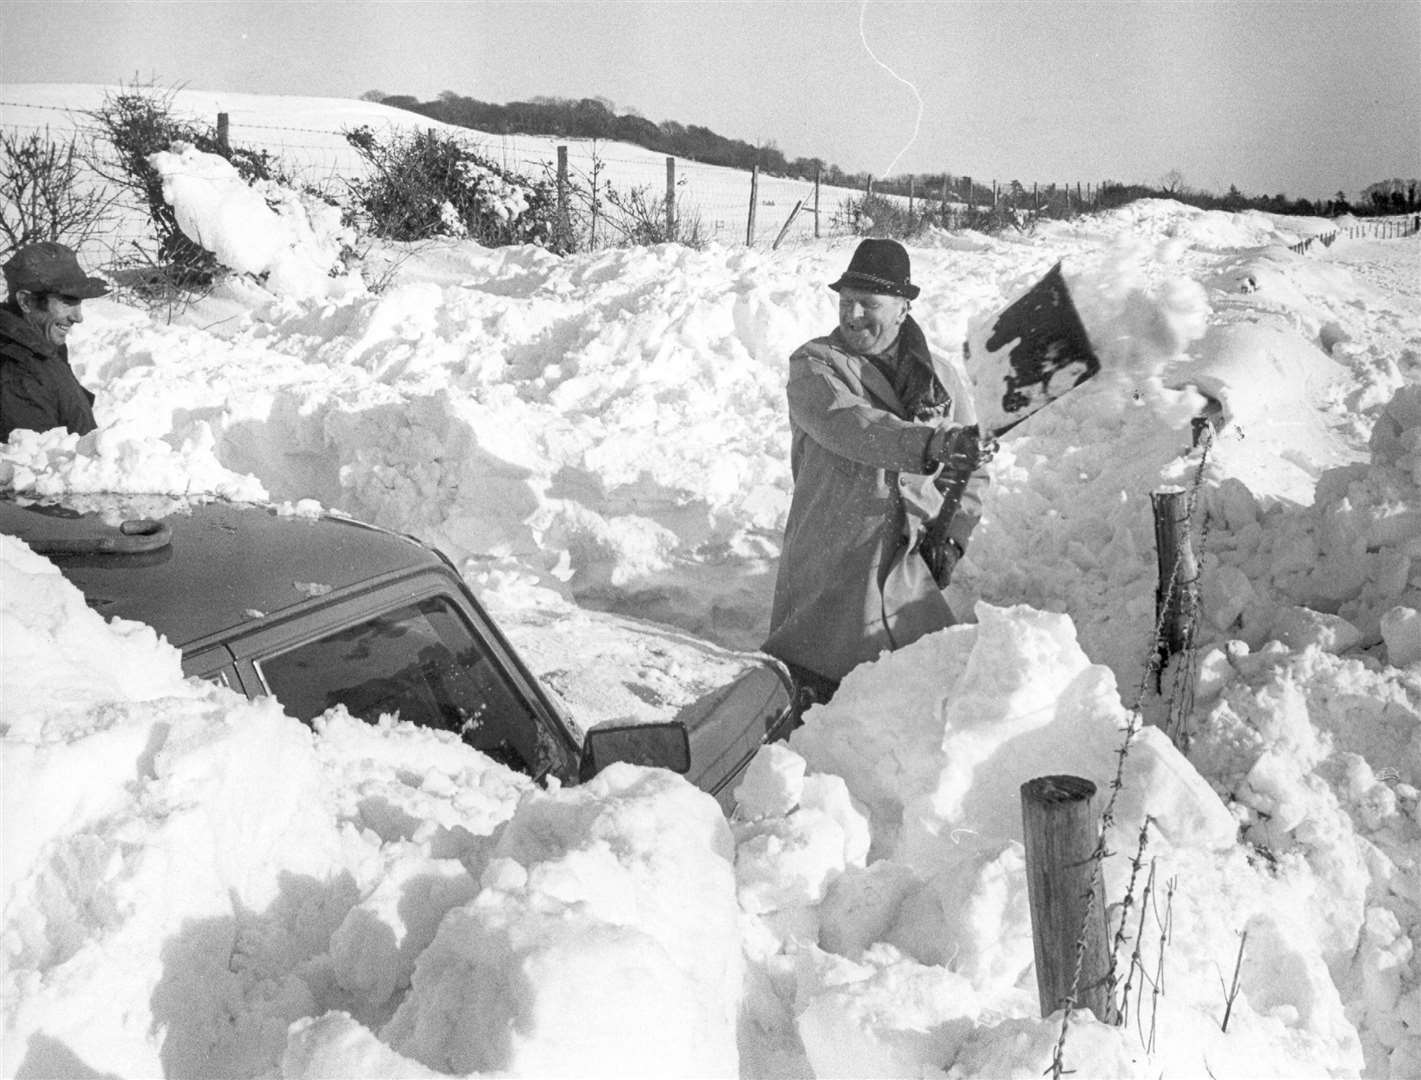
x=422, y=663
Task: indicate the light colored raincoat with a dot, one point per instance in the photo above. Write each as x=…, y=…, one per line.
x=850, y=581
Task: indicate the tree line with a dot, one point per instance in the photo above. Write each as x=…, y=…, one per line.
x=598, y=118
x=1384, y=197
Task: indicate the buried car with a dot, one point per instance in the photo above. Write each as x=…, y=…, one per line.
x=322, y=610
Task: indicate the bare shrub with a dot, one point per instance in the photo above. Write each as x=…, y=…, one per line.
x=133, y=124
x=166, y=289
x=426, y=184
x=600, y=215
x=44, y=194
x=639, y=219
x=994, y=219
x=877, y=215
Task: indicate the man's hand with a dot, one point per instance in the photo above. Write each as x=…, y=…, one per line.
x=941, y=553
x=960, y=448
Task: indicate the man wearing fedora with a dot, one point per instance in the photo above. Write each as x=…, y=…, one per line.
x=883, y=441
x=45, y=288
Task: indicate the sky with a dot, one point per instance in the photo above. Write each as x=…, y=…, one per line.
x=1305, y=97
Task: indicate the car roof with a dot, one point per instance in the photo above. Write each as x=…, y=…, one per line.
x=192, y=570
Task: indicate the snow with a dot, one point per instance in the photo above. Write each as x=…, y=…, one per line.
x=307, y=135
x=195, y=884
x=265, y=229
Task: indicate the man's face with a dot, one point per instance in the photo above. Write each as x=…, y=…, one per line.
x=869, y=322
x=53, y=317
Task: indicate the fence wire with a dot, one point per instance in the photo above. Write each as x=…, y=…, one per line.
x=321, y=156
x=1389, y=229
x=712, y=201
x=1132, y=728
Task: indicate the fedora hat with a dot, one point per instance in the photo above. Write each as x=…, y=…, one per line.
x=879, y=266
x=48, y=267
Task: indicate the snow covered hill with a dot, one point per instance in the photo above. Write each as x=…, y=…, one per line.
x=307, y=136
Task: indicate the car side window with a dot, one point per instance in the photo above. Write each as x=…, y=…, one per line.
x=423, y=663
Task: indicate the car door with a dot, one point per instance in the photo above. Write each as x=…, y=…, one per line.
x=420, y=650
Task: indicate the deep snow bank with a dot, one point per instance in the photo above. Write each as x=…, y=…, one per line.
x=187, y=873
x=390, y=878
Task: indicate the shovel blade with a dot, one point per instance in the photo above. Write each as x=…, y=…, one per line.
x=1037, y=351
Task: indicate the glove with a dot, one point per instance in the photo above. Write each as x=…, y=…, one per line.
x=941, y=553
x=959, y=448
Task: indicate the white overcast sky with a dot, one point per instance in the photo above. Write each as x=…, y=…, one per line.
x=1306, y=97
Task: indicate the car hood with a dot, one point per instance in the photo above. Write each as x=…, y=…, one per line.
x=607, y=667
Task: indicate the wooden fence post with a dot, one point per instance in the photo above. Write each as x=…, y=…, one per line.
x=968, y=181
x=564, y=224
x=754, y=201
x=784, y=229
x=816, y=202
x=224, y=125
x=596, y=175
x=910, y=197
x=1067, y=895
x=670, y=198
x=945, y=193
x=868, y=188
x=1177, y=595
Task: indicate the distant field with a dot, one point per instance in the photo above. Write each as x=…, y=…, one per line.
x=309, y=141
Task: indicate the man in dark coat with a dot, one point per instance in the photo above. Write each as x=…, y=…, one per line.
x=45, y=288
x=886, y=460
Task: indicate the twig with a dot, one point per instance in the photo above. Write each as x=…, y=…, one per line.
x=1107, y=817
x=1233, y=990
x=1135, y=864
x=1136, y=964
x=1157, y=986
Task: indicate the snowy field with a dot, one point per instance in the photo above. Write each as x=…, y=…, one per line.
x=195, y=885
x=305, y=134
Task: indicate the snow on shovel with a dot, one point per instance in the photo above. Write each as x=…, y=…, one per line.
x=1038, y=350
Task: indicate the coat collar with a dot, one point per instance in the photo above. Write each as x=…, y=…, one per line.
x=17, y=335
x=913, y=344
x=910, y=347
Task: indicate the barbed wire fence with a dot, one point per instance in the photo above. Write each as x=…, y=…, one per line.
x=727, y=205
x=322, y=159
x=1177, y=594
x=1388, y=228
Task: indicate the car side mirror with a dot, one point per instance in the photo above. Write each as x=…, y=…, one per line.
x=663, y=746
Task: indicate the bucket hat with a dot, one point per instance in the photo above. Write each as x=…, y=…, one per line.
x=879, y=266
x=49, y=267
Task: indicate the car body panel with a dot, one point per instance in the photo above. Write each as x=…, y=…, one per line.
x=721, y=751
x=227, y=564
x=605, y=667
x=233, y=586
